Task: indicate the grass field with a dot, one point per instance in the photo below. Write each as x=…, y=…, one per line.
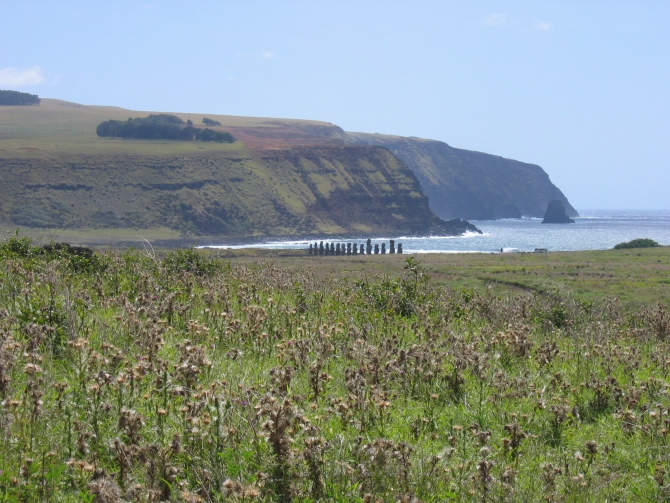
x=60, y=128
x=183, y=376
x=636, y=277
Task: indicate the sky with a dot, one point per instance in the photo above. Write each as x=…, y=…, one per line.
x=581, y=88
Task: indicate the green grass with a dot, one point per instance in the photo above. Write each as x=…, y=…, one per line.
x=59, y=128
x=187, y=377
x=635, y=277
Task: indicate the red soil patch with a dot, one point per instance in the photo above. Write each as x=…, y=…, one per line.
x=278, y=137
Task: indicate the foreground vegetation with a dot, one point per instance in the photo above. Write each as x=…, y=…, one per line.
x=127, y=376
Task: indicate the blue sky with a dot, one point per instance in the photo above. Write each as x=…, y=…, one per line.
x=578, y=87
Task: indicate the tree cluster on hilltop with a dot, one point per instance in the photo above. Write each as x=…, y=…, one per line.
x=159, y=127
x=209, y=122
x=8, y=98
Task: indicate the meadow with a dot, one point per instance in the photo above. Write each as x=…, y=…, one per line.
x=186, y=376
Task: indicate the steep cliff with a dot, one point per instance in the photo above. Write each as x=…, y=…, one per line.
x=281, y=178
x=472, y=185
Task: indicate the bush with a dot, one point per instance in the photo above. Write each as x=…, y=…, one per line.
x=211, y=135
x=637, y=243
x=189, y=261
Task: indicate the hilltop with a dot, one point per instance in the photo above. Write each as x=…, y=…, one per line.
x=281, y=178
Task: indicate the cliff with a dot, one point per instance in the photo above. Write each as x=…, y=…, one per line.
x=281, y=178
x=472, y=185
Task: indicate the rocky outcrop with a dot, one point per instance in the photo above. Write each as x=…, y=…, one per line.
x=555, y=213
x=472, y=185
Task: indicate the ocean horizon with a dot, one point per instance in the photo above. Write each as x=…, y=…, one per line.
x=594, y=229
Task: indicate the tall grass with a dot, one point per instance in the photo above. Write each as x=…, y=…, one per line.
x=129, y=377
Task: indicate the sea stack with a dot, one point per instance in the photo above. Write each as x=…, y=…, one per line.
x=555, y=213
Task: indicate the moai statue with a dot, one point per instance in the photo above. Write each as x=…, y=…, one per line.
x=332, y=248
x=327, y=249
x=400, y=248
x=321, y=249
x=376, y=249
x=355, y=248
x=392, y=248
x=337, y=249
x=383, y=248
x=368, y=247
x=362, y=249
x=310, y=248
x=348, y=248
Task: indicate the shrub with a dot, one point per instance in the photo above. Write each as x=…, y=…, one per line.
x=189, y=261
x=637, y=243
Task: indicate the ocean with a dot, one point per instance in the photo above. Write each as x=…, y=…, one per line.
x=592, y=230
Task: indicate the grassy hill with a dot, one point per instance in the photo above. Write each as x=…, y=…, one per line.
x=282, y=178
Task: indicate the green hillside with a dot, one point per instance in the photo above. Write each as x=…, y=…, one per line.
x=58, y=174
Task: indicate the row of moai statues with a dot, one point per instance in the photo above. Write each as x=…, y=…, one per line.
x=353, y=248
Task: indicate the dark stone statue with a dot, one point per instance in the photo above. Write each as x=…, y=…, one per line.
x=368, y=247
x=376, y=249
x=337, y=249
x=400, y=248
x=310, y=248
x=383, y=248
x=332, y=248
x=362, y=250
x=355, y=249
x=392, y=247
x=321, y=249
x=348, y=248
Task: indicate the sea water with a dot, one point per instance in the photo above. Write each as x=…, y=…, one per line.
x=592, y=230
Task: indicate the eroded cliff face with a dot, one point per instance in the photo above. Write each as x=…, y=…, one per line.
x=295, y=190
x=282, y=177
x=472, y=185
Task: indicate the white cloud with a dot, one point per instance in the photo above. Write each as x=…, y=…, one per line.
x=13, y=77
x=496, y=20
x=542, y=26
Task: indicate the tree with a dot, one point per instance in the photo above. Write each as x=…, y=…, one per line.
x=160, y=127
x=209, y=122
x=9, y=98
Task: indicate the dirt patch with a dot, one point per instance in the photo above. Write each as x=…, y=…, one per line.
x=28, y=149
